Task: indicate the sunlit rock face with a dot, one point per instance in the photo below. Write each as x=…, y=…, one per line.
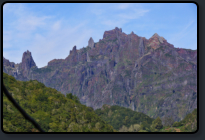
x=146, y=75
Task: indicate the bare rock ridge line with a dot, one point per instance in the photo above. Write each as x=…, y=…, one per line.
x=145, y=75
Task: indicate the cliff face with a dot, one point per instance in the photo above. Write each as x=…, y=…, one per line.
x=27, y=63
x=146, y=75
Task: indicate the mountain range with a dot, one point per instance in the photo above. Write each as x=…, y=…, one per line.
x=146, y=75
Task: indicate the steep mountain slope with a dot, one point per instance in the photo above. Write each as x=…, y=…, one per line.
x=146, y=75
x=51, y=109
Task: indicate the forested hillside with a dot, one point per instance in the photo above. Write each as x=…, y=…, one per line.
x=56, y=112
x=52, y=110
x=125, y=120
x=120, y=117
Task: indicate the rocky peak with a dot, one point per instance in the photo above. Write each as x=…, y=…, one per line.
x=27, y=62
x=118, y=29
x=72, y=58
x=6, y=62
x=112, y=33
x=91, y=42
x=159, y=38
x=132, y=32
x=74, y=50
x=155, y=40
x=156, y=35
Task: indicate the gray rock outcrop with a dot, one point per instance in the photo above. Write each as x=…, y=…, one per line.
x=91, y=43
x=27, y=63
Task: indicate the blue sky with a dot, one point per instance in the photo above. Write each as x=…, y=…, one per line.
x=50, y=30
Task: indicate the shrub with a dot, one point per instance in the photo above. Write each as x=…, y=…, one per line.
x=156, y=125
x=177, y=124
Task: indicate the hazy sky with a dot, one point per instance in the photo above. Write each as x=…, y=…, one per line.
x=50, y=31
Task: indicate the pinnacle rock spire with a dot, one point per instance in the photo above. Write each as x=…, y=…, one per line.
x=27, y=62
x=91, y=43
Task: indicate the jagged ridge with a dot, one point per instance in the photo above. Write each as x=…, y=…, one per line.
x=146, y=75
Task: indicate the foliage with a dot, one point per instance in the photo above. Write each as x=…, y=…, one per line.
x=58, y=113
x=177, y=124
x=156, y=125
x=52, y=110
x=188, y=124
x=123, y=129
x=168, y=121
x=122, y=118
x=73, y=97
x=132, y=128
x=145, y=126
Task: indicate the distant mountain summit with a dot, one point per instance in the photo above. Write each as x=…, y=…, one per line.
x=146, y=75
x=22, y=70
x=27, y=63
x=91, y=42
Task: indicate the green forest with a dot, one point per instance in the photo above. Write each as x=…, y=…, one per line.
x=55, y=112
x=125, y=120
